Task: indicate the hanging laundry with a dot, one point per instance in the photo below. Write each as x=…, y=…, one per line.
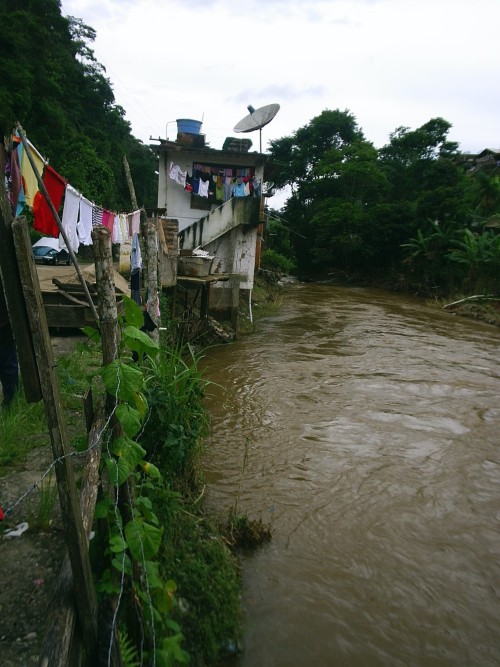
x=111, y=222
x=97, y=214
x=124, y=227
x=84, y=226
x=135, y=254
x=107, y=219
x=239, y=189
x=203, y=188
x=21, y=200
x=116, y=234
x=134, y=223
x=219, y=188
x=15, y=174
x=71, y=210
x=43, y=220
x=30, y=181
x=176, y=174
x=135, y=268
x=196, y=183
x=135, y=286
x=228, y=187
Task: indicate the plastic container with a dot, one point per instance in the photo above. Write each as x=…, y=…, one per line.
x=196, y=267
x=188, y=126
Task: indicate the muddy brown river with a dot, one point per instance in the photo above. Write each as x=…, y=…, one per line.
x=364, y=426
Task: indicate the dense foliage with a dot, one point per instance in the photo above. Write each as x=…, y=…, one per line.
x=52, y=84
x=407, y=214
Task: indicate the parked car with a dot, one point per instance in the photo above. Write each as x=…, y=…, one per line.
x=45, y=255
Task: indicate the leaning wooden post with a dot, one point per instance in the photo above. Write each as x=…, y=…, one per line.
x=106, y=293
x=153, y=299
x=15, y=299
x=74, y=533
x=130, y=183
x=108, y=325
x=59, y=632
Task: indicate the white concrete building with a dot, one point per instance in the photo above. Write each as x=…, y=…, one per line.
x=216, y=197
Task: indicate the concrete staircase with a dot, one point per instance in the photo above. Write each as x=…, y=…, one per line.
x=237, y=212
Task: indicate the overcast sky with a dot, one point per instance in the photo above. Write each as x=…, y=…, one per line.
x=390, y=63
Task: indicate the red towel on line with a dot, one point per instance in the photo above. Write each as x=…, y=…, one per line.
x=43, y=220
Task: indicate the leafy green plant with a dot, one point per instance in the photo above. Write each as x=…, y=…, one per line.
x=177, y=419
x=274, y=261
x=130, y=533
x=479, y=253
x=128, y=652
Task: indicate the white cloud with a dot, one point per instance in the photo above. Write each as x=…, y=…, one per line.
x=390, y=63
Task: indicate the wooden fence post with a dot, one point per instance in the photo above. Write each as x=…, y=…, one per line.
x=108, y=325
x=74, y=533
x=60, y=631
x=153, y=299
x=106, y=293
x=15, y=299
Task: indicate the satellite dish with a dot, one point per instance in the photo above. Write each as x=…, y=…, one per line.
x=257, y=118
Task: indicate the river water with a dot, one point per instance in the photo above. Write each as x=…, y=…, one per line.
x=364, y=426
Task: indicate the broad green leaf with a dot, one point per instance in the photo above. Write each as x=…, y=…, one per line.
x=122, y=381
x=129, y=418
x=102, y=508
x=153, y=574
x=117, y=544
x=122, y=563
x=118, y=470
x=140, y=403
x=128, y=450
x=139, y=341
x=143, y=539
x=151, y=470
x=132, y=312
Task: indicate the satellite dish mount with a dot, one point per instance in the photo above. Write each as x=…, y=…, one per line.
x=257, y=119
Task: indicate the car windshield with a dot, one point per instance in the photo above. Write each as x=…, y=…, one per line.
x=41, y=251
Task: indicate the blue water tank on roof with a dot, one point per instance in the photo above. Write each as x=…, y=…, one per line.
x=188, y=125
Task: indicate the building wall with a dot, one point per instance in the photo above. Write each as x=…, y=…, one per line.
x=175, y=199
x=235, y=255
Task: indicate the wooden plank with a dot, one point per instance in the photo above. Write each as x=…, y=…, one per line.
x=108, y=324
x=74, y=533
x=59, y=633
x=15, y=299
x=153, y=300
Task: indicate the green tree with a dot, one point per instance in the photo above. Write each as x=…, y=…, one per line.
x=53, y=85
x=334, y=177
x=479, y=254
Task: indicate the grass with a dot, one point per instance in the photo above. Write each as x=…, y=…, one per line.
x=208, y=580
x=23, y=427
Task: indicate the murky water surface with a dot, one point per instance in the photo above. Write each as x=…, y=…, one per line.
x=369, y=424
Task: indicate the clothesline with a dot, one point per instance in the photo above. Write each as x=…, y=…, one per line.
x=79, y=214
x=217, y=183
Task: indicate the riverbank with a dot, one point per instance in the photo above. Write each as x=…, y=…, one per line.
x=269, y=294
